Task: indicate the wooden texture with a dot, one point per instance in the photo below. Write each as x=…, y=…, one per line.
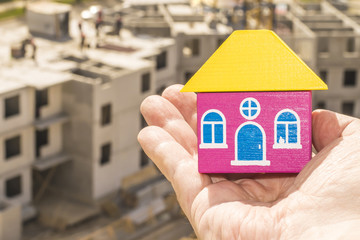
x=245, y=132
x=254, y=60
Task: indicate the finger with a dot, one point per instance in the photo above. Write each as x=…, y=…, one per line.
x=185, y=102
x=175, y=163
x=328, y=126
x=160, y=112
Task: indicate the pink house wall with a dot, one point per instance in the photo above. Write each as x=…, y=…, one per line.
x=271, y=103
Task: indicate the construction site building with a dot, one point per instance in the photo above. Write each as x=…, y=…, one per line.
x=71, y=120
x=337, y=56
x=16, y=154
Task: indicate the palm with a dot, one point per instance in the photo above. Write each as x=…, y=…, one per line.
x=253, y=206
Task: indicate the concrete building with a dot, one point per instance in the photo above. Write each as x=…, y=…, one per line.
x=337, y=39
x=70, y=122
x=79, y=136
x=10, y=222
x=158, y=50
x=25, y=116
x=103, y=103
x=31, y=138
x=196, y=38
x=16, y=155
x=197, y=34
x=74, y=132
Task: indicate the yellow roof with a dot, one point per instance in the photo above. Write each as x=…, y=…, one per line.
x=254, y=60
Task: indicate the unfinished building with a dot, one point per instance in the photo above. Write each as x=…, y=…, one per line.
x=77, y=130
x=337, y=56
x=70, y=121
x=196, y=36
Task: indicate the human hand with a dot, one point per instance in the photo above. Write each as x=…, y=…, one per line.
x=321, y=202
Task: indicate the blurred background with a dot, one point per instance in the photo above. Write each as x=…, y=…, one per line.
x=73, y=74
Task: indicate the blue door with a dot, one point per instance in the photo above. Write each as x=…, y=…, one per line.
x=250, y=143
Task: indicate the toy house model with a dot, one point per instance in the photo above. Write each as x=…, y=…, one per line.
x=254, y=106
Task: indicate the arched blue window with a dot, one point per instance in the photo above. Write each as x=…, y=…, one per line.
x=287, y=129
x=213, y=130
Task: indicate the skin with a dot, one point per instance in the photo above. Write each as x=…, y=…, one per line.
x=321, y=202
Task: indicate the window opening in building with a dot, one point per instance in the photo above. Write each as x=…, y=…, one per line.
x=145, y=82
x=42, y=139
x=12, y=106
x=105, y=153
x=350, y=78
x=41, y=100
x=161, y=60
x=324, y=75
x=13, y=187
x=323, y=45
x=350, y=45
x=191, y=48
x=12, y=147
x=106, y=114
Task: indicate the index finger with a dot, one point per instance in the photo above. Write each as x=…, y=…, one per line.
x=178, y=166
x=185, y=102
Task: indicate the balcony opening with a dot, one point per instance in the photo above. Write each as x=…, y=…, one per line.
x=42, y=139
x=323, y=45
x=191, y=48
x=41, y=100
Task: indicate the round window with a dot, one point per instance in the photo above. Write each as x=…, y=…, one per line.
x=250, y=108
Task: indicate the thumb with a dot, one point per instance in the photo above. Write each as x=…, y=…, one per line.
x=328, y=126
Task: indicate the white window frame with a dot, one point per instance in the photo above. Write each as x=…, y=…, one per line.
x=258, y=108
x=223, y=122
x=287, y=145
